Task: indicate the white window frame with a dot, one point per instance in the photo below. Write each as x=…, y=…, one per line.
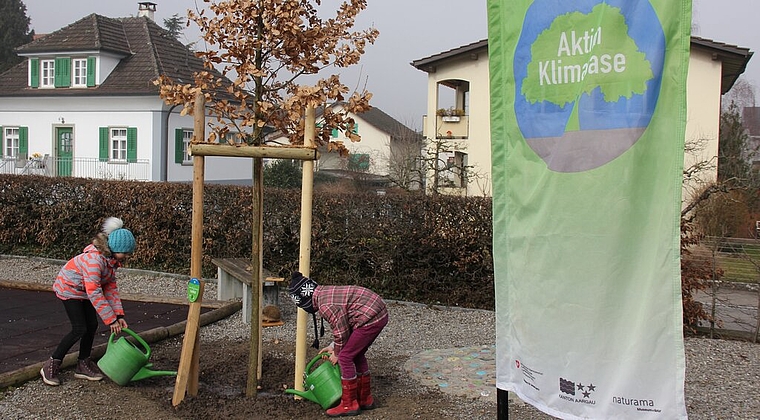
x=79, y=72
x=47, y=73
x=12, y=142
x=187, y=137
x=117, y=144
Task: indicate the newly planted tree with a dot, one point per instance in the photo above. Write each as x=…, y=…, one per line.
x=263, y=49
x=259, y=50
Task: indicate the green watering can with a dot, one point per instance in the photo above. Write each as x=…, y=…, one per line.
x=322, y=385
x=123, y=362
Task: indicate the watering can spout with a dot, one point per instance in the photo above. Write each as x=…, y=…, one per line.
x=303, y=394
x=145, y=373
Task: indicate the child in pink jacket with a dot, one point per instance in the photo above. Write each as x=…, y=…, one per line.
x=87, y=287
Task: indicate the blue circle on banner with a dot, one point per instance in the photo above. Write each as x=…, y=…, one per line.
x=580, y=126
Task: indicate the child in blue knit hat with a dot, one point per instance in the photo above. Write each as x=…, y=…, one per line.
x=87, y=287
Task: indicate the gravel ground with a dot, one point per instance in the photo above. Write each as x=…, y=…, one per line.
x=722, y=377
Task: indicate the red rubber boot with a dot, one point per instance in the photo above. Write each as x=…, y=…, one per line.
x=366, y=402
x=348, y=405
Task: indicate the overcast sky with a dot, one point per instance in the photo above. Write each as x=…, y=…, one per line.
x=410, y=30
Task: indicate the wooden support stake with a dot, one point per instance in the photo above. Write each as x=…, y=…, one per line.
x=187, y=373
x=257, y=222
x=304, y=257
x=274, y=152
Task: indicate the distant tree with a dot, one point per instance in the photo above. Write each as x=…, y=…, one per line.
x=283, y=173
x=742, y=94
x=14, y=32
x=405, y=159
x=723, y=214
x=174, y=25
x=734, y=160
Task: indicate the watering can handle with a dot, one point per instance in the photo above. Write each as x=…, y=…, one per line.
x=136, y=337
x=314, y=360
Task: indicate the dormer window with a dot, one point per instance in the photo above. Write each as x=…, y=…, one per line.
x=62, y=72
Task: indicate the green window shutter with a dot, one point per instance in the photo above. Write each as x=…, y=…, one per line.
x=356, y=128
x=34, y=64
x=23, y=141
x=358, y=161
x=103, y=143
x=179, y=145
x=132, y=144
x=62, y=72
x=90, y=71
x=2, y=142
x=335, y=133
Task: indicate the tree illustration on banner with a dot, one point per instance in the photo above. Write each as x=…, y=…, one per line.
x=589, y=74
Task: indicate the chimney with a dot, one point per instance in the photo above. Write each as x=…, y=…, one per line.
x=147, y=9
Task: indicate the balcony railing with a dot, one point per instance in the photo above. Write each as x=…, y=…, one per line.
x=77, y=167
x=453, y=127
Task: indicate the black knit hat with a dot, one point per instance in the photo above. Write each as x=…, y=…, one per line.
x=301, y=290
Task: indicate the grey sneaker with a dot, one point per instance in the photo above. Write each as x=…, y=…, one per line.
x=87, y=369
x=49, y=372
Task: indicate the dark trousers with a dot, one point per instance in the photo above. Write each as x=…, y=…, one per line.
x=84, y=324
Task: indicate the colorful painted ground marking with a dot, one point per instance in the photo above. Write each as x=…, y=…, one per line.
x=467, y=371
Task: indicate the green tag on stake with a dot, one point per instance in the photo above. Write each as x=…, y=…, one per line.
x=193, y=289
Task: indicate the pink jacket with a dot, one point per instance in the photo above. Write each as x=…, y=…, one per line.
x=91, y=275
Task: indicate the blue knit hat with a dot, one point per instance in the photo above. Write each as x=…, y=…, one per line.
x=119, y=239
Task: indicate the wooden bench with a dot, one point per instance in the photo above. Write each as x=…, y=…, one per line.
x=234, y=279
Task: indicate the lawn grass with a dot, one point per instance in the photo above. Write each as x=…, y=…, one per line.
x=739, y=264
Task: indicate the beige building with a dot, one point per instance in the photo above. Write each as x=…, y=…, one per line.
x=457, y=123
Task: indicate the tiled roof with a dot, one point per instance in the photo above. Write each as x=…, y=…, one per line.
x=93, y=32
x=388, y=124
x=383, y=122
x=734, y=58
x=148, y=52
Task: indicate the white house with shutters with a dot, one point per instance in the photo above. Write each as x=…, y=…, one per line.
x=83, y=103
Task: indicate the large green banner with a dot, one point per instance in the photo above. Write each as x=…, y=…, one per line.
x=588, y=117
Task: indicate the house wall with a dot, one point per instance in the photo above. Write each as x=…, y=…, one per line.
x=703, y=118
x=235, y=170
x=84, y=116
x=478, y=144
x=104, y=65
x=374, y=142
